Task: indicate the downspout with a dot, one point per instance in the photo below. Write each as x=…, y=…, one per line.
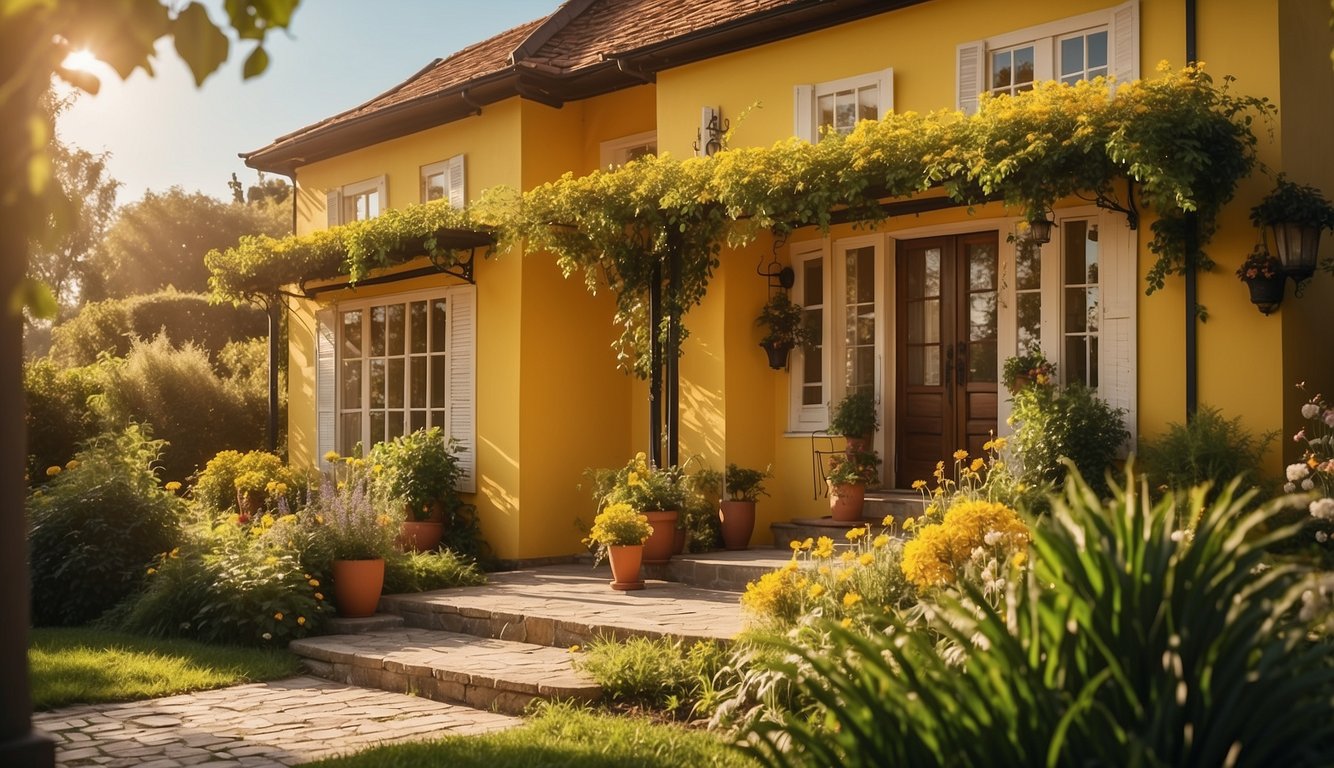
x=1192, y=247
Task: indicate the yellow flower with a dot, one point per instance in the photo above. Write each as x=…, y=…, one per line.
x=888, y=521
x=794, y=544
x=823, y=570
x=808, y=543
x=846, y=623
x=175, y=552
x=271, y=559
x=301, y=620
x=319, y=595
x=377, y=469
x=977, y=465
x=908, y=523
x=824, y=548
x=855, y=533
x=314, y=582
x=173, y=486
x=319, y=519
x=152, y=571
x=998, y=444
x=881, y=541
x=816, y=591
x=278, y=616
x=52, y=471
x=574, y=649
x=960, y=455
x=72, y=464
x=331, y=456
x=851, y=599
x=918, y=485
x=847, y=556
x=632, y=479
x=866, y=558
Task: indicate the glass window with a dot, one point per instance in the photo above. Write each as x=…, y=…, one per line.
x=1012, y=69
x=1083, y=56
x=812, y=305
x=859, y=332
x=841, y=110
x=1080, y=298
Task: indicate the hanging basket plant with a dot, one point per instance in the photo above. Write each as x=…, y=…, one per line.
x=1294, y=215
x=1264, y=278
x=786, y=328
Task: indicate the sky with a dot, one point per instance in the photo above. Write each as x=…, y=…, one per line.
x=163, y=132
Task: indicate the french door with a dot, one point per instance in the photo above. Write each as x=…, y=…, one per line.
x=945, y=349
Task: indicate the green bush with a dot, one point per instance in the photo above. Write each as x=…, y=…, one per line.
x=424, y=571
x=1130, y=641
x=58, y=416
x=189, y=406
x=215, y=490
x=96, y=528
x=1074, y=423
x=661, y=673
x=1206, y=449
x=109, y=327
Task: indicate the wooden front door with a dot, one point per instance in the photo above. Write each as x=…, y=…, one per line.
x=945, y=349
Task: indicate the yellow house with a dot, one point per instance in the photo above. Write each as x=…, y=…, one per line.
x=515, y=361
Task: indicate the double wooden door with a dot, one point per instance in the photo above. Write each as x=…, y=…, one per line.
x=946, y=350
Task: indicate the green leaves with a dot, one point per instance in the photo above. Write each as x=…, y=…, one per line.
x=199, y=43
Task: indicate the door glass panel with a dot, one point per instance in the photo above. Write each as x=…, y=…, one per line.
x=417, y=326
x=1076, y=359
x=396, y=328
x=377, y=330
x=982, y=361
x=982, y=316
x=981, y=267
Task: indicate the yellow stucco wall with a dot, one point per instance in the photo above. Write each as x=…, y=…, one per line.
x=550, y=402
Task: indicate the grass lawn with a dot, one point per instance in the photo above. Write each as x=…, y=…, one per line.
x=87, y=666
x=555, y=736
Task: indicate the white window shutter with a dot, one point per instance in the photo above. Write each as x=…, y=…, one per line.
x=325, y=385
x=970, y=79
x=1125, y=42
x=456, y=182
x=885, y=83
x=461, y=305
x=1117, y=359
x=334, y=207
x=382, y=194
x=803, y=112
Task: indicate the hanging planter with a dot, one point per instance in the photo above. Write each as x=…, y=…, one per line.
x=777, y=354
x=787, y=328
x=1264, y=278
x=1294, y=215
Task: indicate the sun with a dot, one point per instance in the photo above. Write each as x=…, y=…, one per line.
x=82, y=60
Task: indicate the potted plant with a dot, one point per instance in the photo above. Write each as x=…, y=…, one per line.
x=855, y=418
x=353, y=537
x=737, y=511
x=847, y=477
x=786, y=326
x=1295, y=215
x=657, y=493
x=1022, y=371
x=1263, y=276
x=419, y=472
x=619, y=533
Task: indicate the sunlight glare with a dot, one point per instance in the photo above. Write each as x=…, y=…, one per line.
x=82, y=60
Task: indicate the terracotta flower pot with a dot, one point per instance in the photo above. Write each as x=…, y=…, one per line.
x=357, y=585
x=846, y=502
x=738, y=519
x=625, y=562
x=420, y=537
x=658, y=548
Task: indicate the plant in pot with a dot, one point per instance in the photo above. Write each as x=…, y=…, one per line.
x=1295, y=215
x=855, y=418
x=786, y=328
x=737, y=511
x=351, y=538
x=619, y=533
x=419, y=472
x=848, y=476
x=1023, y=371
x=1263, y=276
x=657, y=493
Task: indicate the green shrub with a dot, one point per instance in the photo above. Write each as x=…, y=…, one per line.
x=58, y=415
x=662, y=673
x=424, y=571
x=189, y=406
x=109, y=327
x=419, y=471
x=229, y=472
x=1206, y=449
x=96, y=528
x=1073, y=423
x=1128, y=642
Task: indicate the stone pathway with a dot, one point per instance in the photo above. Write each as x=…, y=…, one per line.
x=278, y=723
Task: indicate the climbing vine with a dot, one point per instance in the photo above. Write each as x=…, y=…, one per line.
x=1185, y=142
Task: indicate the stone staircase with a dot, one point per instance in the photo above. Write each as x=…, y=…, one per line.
x=501, y=645
x=898, y=505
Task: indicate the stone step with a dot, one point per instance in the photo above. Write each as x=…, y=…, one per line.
x=378, y=622
x=490, y=674
x=897, y=505
x=571, y=605
x=724, y=570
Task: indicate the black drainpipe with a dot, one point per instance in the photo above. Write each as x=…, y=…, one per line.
x=1192, y=247
x=275, y=304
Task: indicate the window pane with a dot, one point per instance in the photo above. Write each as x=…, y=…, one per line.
x=395, y=388
x=982, y=361
x=1093, y=362
x=868, y=103
x=435, y=186
x=812, y=282
x=1097, y=50
x=393, y=425
x=438, y=325
x=438, y=419
x=1092, y=309
x=417, y=326
x=812, y=394
x=377, y=428
x=1000, y=70
x=825, y=109
x=418, y=420
x=349, y=433
x=1028, y=268
x=1076, y=360
x=396, y=328
x=811, y=369
x=845, y=110
x=1076, y=310
x=1072, y=56
x=1029, y=311
x=982, y=316
x=417, y=396
x=377, y=384
x=862, y=261
x=351, y=384
x=377, y=330
x=981, y=267
x=437, y=382
x=352, y=333
x=1023, y=65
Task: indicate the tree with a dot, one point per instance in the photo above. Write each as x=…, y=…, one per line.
x=35, y=37
x=161, y=240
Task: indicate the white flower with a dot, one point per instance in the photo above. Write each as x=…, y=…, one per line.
x=1308, y=484
x=1321, y=536
x=1297, y=471
x=267, y=636
x=992, y=538
x=1310, y=410
x=1329, y=418
x=1289, y=488
x=1322, y=509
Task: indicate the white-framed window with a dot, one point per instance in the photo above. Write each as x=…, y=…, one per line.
x=1077, y=48
x=838, y=105
x=626, y=148
x=841, y=288
x=444, y=180
x=1074, y=298
x=391, y=365
x=357, y=201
